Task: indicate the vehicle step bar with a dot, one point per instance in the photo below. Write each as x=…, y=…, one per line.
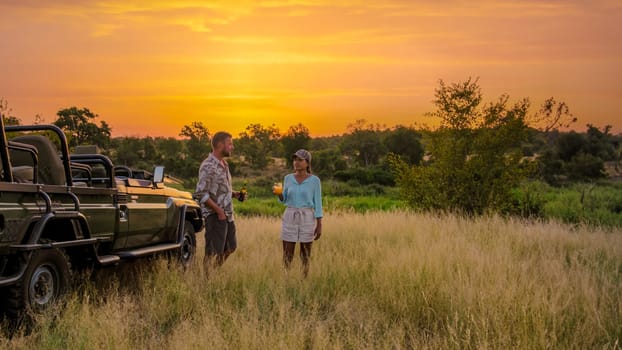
x=105, y=260
x=61, y=214
x=140, y=252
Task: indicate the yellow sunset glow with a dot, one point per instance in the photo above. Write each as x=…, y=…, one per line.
x=150, y=67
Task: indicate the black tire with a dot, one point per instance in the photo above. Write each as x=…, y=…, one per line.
x=46, y=279
x=188, y=248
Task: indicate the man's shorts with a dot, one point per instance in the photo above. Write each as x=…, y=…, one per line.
x=219, y=236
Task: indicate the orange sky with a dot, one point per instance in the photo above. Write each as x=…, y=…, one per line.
x=149, y=67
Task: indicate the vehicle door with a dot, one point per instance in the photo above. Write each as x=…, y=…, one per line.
x=147, y=214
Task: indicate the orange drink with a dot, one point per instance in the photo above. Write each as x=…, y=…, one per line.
x=277, y=188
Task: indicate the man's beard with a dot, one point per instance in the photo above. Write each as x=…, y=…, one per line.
x=226, y=154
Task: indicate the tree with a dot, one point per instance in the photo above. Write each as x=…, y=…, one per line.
x=128, y=151
x=171, y=155
x=99, y=135
x=39, y=119
x=475, y=153
x=599, y=143
x=257, y=143
x=585, y=167
x=364, y=143
x=196, y=131
x=7, y=117
x=79, y=126
x=406, y=143
x=197, y=140
x=296, y=137
x=552, y=116
x=150, y=151
x=568, y=145
x=578, y=156
x=327, y=162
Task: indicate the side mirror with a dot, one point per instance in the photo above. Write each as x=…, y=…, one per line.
x=158, y=176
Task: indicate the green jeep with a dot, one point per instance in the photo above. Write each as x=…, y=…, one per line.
x=62, y=212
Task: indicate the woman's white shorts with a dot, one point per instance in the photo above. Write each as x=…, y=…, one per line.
x=298, y=225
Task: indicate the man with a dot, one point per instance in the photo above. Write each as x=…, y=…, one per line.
x=216, y=197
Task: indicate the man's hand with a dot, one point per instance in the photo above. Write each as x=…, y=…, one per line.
x=218, y=210
x=221, y=214
x=235, y=194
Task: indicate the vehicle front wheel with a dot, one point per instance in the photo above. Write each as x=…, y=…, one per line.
x=188, y=248
x=46, y=279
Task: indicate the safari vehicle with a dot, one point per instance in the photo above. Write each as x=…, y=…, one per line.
x=62, y=212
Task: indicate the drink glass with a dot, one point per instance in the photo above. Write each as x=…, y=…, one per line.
x=277, y=188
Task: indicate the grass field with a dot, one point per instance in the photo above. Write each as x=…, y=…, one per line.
x=383, y=280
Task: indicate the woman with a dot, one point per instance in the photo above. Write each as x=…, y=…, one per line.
x=302, y=220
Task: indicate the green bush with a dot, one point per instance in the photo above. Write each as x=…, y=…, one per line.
x=268, y=207
x=594, y=204
x=366, y=176
x=362, y=204
x=528, y=199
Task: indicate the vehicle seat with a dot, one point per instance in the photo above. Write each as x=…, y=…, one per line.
x=51, y=170
x=23, y=173
x=99, y=171
x=100, y=176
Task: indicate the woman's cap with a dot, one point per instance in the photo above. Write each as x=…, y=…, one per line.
x=303, y=154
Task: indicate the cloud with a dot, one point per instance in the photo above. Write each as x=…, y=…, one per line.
x=109, y=17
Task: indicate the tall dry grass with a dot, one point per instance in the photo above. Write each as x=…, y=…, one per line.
x=380, y=280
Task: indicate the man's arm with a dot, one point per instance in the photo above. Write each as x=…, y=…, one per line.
x=203, y=183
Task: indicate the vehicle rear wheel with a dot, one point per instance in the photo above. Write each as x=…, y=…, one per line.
x=188, y=248
x=46, y=279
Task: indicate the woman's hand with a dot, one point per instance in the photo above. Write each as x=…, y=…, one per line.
x=277, y=189
x=318, y=230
